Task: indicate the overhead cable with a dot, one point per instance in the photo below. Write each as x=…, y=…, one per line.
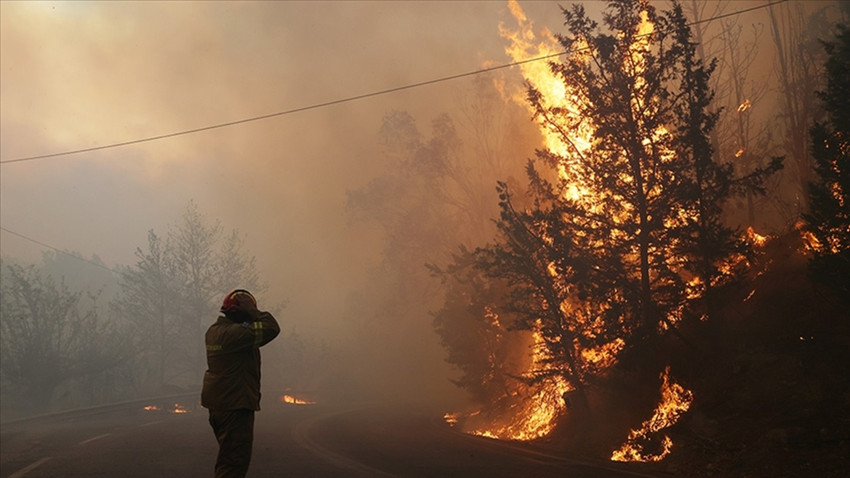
x=350, y=98
x=56, y=249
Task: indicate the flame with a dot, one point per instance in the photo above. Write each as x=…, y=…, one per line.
x=603, y=356
x=532, y=410
x=744, y=106
x=151, y=408
x=534, y=418
x=524, y=44
x=811, y=242
x=675, y=401
x=179, y=409
x=755, y=238
x=295, y=400
x=451, y=418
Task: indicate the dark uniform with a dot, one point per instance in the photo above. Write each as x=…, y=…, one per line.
x=231, y=388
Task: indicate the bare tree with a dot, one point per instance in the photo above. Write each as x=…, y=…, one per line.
x=798, y=69
x=740, y=89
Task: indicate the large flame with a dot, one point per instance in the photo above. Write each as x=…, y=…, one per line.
x=527, y=412
x=532, y=410
x=675, y=401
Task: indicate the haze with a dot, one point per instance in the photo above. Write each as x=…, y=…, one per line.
x=78, y=75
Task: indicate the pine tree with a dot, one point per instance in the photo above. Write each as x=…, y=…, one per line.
x=624, y=238
x=829, y=217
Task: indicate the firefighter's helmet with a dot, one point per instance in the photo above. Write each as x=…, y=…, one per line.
x=230, y=299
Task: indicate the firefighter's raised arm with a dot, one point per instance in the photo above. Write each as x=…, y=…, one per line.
x=261, y=323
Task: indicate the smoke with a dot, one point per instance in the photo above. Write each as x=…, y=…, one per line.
x=78, y=75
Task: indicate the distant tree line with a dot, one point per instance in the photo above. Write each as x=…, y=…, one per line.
x=74, y=333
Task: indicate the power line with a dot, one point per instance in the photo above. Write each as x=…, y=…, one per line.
x=56, y=249
x=348, y=99
x=286, y=112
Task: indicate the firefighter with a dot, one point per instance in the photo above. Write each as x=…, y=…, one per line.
x=231, y=388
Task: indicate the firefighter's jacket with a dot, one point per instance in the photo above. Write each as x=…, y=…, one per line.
x=232, y=379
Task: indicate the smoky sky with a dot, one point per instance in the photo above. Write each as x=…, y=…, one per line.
x=76, y=75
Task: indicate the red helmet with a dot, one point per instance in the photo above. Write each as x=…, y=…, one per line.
x=230, y=299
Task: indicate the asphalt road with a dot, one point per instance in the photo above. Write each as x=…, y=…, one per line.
x=290, y=440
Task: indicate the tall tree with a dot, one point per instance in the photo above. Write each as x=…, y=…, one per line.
x=740, y=89
x=829, y=195
x=174, y=290
x=624, y=238
x=798, y=58
x=150, y=302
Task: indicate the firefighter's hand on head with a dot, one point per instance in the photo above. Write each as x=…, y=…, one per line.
x=240, y=306
x=245, y=305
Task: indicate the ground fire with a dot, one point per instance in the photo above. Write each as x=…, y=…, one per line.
x=293, y=400
x=675, y=401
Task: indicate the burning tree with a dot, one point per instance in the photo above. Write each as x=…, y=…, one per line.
x=829, y=197
x=622, y=237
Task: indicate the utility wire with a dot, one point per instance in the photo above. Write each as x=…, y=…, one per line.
x=350, y=98
x=56, y=249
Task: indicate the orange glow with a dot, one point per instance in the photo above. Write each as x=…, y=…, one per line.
x=295, y=400
x=524, y=44
x=533, y=417
x=151, y=408
x=744, y=106
x=810, y=242
x=604, y=356
x=530, y=412
x=756, y=238
x=675, y=401
x=532, y=409
x=451, y=418
x=179, y=409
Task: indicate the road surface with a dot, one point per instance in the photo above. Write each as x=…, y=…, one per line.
x=290, y=440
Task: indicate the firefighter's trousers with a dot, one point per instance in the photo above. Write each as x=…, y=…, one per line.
x=234, y=430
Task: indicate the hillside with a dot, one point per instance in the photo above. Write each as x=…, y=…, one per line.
x=769, y=381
